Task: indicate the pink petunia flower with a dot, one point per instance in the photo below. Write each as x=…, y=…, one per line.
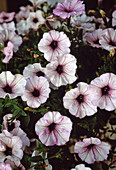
x=62, y=71
x=53, y=44
x=81, y=167
x=108, y=39
x=10, y=147
x=11, y=85
x=36, y=92
x=103, y=91
x=92, y=149
x=69, y=8
x=8, y=52
x=4, y=166
x=93, y=38
x=78, y=101
x=53, y=129
x=6, y=17
x=34, y=70
x=35, y=19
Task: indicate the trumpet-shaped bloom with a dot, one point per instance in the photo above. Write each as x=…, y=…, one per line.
x=69, y=8
x=10, y=147
x=11, y=85
x=62, y=71
x=81, y=167
x=34, y=70
x=93, y=38
x=8, y=52
x=36, y=92
x=4, y=166
x=108, y=39
x=78, y=101
x=53, y=129
x=35, y=19
x=6, y=17
x=92, y=149
x=53, y=44
x=103, y=91
x=23, y=13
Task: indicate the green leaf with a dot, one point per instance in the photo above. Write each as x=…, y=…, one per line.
x=36, y=159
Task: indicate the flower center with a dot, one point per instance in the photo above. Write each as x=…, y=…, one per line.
x=40, y=73
x=35, y=20
x=80, y=98
x=59, y=69
x=5, y=43
x=54, y=44
x=105, y=90
x=67, y=10
x=36, y=93
x=96, y=42
x=90, y=146
x=112, y=43
x=7, y=89
x=8, y=151
x=52, y=127
x=5, y=17
x=11, y=127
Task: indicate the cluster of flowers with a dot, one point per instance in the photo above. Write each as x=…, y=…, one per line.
x=36, y=83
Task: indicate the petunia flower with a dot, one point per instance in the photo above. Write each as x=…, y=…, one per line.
x=62, y=71
x=6, y=17
x=8, y=52
x=53, y=129
x=92, y=149
x=23, y=14
x=4, y=166
x=35, y=19
x=11, y=85
x=22, y=27
x=108, y=39
x=114, y=18
x=81, y=167
x=93, y=38
x=10, y=147
x=7, y=34
x=36, y=92
x=34, y=70
x=69, y=8
x=53, y=44
x=103, y=91
x=78, y=101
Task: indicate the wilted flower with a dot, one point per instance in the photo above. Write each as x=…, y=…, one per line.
x=69, y=8
x=92, y=149
x=6, y=17
x=52, y=22
x=62, y=70
x=53, y=129
x=81, y=167
x=10, y=147
x=4, y=166
x=36, y=92
x=8, y=52
x=114, y=18
x=7, y=125
x=35, y=19
x=53, y=44
x=93, y=38
x=108, y=39
x=34, y=70
x=103, y=91
x=11, y=85
x=78, y=101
